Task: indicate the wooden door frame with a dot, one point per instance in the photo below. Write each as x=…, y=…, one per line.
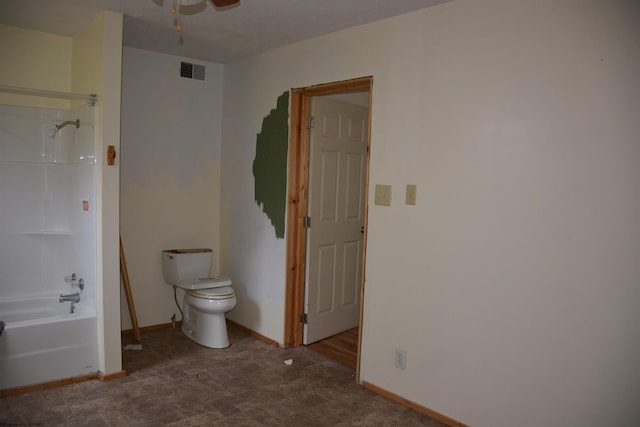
x=297, y=204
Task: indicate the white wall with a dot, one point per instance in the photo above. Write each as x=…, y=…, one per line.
x=35, y=60
x=251, y=253
x=97, y=68
x=170, y=176
x=108, y=127
x=513, y=284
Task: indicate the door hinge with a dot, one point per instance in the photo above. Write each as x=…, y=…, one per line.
x=306, y=222
x=303, y=318
x=311, y=122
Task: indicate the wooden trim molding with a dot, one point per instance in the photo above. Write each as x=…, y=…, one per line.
x=254, y=333
x=229, y=321
x=151, y=328
x=111, y=376
x=295, y=212
x=43, y=386
x=416, y=407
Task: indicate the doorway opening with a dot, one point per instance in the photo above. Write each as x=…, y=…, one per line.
x=300, y=194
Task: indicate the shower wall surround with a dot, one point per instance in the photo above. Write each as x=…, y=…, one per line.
x=47, y=196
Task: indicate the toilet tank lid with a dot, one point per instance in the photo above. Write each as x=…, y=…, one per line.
x=187, y=251
x=204, y=283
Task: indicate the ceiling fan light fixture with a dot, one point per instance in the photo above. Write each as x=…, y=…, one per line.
x=191, y=7
x=224, y=3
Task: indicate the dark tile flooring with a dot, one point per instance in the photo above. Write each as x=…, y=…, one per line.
x=175, y=382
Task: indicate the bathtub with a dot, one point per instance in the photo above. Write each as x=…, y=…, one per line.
x=43, y=341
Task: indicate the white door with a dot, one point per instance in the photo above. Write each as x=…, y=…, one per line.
x=337, y=165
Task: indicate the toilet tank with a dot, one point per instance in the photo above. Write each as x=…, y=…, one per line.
x=185, y=264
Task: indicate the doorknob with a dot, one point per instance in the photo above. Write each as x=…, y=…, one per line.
x=362, y=229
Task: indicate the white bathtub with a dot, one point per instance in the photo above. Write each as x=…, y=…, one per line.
x=42, y=341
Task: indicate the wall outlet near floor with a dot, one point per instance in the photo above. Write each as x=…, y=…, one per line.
x=400, y=361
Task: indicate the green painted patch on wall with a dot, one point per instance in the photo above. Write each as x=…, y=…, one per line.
x=270, y=164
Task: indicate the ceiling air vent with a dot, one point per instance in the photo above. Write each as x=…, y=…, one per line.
x=192, y=71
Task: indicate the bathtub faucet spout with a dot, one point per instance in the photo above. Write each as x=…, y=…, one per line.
x=70, y=297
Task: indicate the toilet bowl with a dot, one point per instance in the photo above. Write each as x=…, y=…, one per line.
x=204, y=315
x=206, y=298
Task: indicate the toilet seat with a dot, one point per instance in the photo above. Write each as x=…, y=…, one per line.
x=225, y=292
x=203, y=283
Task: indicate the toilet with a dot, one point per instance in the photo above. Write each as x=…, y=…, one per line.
x=207, y=298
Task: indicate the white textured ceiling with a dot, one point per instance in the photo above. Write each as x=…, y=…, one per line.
x=252, y=27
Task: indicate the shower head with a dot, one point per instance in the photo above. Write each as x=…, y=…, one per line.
x=54, y=131
x=69, y=122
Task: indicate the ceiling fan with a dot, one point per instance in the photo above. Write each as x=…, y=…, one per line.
x=192, y=7
x=189, y=7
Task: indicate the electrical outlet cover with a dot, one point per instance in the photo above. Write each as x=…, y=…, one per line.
x=400, y=361
x=383, y=195
x=411, y=194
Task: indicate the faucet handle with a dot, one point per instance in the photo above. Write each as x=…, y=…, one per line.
x=70, y=279
x=80, y=284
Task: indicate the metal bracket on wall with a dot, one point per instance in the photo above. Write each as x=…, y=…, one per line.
x=111, y=155
x=311, y=122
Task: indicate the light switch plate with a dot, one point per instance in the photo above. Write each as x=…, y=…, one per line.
x=383, y=195
x=412, y=190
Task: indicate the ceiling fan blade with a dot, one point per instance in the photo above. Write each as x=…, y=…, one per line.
x=224, y=3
